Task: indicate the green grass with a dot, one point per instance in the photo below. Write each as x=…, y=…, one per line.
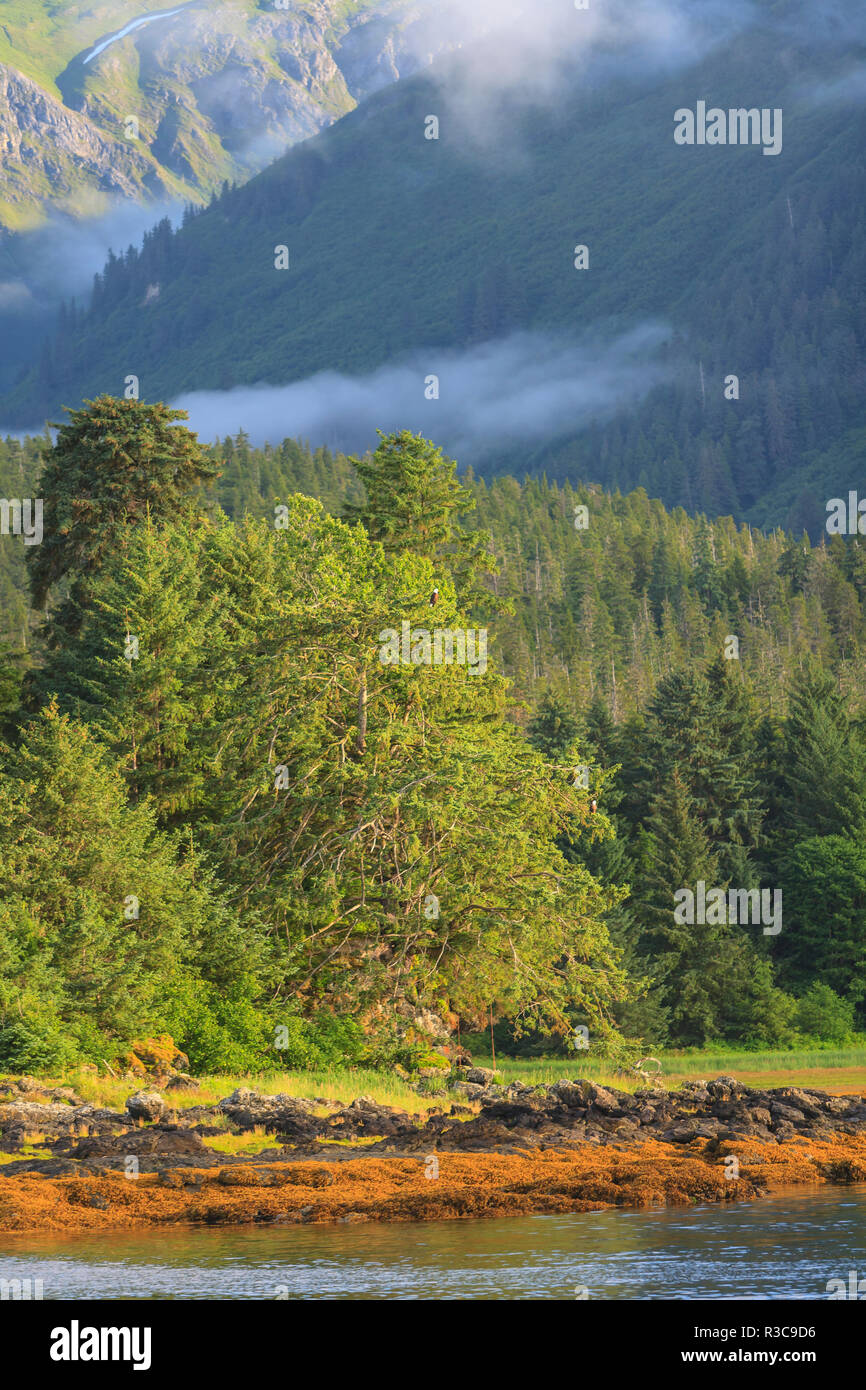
x=342, y=1084
x=41, y=38
x=247, y=1144
x=817, y=1067
x=29, y=1150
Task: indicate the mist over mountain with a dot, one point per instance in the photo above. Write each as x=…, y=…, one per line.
x=529, y=182
x=498, y=394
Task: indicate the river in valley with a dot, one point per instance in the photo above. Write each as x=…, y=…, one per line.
x=783, y=1247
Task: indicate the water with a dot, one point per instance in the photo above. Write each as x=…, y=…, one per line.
x=783, y=1247
x=122, y=33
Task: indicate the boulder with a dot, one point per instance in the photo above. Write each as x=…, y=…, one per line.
x=569, y=1093
x=30, y=1117
x=480, y=1076
x=601, y=1098
x=726, y=1088
x=146, y=1105
x=431, y=1024
x=787, y=1112
x=182, y=1082
x=160, y=1140
x=468, y=1089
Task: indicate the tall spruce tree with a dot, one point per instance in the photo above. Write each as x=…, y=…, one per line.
x=414, y=502
x=114, y=463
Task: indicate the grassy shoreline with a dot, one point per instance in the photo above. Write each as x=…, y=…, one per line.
x=840, y=1071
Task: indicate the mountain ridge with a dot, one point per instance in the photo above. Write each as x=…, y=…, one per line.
x=216, y=92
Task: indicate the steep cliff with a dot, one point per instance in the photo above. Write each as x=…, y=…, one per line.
x=97, y=103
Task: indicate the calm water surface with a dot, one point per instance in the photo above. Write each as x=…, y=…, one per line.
x=783, y=1247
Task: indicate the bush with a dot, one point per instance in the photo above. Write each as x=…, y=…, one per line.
x=220, y=1029
x=225, y=1030
x=823, y=1014
x=37, y=1044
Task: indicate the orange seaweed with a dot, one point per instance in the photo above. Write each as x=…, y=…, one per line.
x=587, y=1178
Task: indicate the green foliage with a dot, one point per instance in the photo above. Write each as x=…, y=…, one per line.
x=554, y=728
x=822, y=1014
x=79, y=973
x=114, y=463
x=824, y=936
x=412, y=495
x=287, y=800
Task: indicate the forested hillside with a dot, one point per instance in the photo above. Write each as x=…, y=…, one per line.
x=243, y=817
x=464, y=239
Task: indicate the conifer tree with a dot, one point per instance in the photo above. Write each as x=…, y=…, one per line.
x=106, y=921
x=414, y=502
x=114, y=462
x=139, y=663
x=708, y=983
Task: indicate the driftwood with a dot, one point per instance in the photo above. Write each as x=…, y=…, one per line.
x=639, y=1069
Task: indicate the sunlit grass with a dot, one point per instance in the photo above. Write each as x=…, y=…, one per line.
x=28, y=1150
x=843, y=1068
x=252, y=1143
x=343, y=1084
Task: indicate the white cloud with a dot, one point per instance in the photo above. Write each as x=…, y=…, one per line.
x=526, y=388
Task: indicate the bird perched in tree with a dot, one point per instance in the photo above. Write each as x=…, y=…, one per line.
x=593, y=806
x=434, y=598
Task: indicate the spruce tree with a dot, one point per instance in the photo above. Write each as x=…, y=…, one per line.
x=114, y=463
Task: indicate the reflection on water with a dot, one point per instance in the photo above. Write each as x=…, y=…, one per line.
x=784, y=1247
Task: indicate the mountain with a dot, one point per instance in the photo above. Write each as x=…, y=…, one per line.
x=401, y=245
x=217, y=91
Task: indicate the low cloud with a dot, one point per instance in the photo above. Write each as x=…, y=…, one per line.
x=523, y=389
x=848, y=89
x=59, y=259
x=532, y=50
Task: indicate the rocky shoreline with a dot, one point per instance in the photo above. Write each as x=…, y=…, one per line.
x=497, y=1150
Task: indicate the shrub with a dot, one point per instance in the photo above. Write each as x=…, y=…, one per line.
x=823, y=1014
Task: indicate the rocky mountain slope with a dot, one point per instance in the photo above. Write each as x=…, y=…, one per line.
x=112, y=100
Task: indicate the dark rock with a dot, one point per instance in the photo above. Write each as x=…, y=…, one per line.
x=158, y=1140
x=469, y=1089
x=570, y=1094
x=787, y=1112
